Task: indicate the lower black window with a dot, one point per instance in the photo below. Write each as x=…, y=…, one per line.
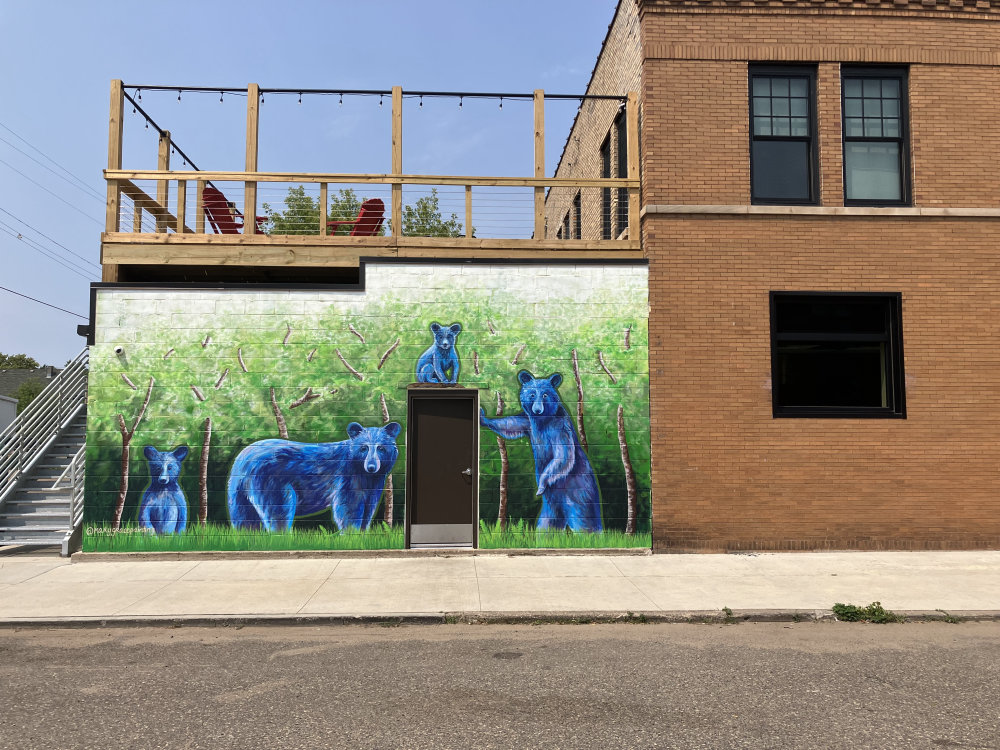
x=836, y=354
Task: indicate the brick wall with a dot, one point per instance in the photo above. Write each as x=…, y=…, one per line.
x=726, y=475
x=695, y=137
x=616, y=72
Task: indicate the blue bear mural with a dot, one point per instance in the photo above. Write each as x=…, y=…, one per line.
x=273, y=481
x=441, y=357
x=566, y=482
x=164, y=507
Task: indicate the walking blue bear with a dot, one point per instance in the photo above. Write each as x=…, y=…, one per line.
x=566, y=482
x=164, y=508
x=441, y=357
x=273, y=481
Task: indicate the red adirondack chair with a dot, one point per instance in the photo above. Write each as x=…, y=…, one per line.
x=369, y=220
x=223, y=215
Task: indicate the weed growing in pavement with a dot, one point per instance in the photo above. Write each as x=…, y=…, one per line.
x=874, y=613
x=949, y=617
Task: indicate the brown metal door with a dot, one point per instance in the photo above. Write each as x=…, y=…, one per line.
x=442, y=436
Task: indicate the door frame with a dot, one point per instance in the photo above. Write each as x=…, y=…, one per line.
x=442, y=391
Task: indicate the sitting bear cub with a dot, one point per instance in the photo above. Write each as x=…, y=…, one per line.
x=272, y=481
x=435, y=363
x=164, y=508
x=566, y=482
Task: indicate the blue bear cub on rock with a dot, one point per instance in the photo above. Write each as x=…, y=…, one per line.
x=440, y=358
x=566, y=482
x=273, y=481
x=164, y=507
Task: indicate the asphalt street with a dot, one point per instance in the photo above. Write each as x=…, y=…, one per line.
x=816, y=684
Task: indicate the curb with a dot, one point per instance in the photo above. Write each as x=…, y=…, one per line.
x=694, y=617
x=78, y=557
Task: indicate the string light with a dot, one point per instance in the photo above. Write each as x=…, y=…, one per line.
x=139, y=94
x=459, y=102
x=380, y=100
x=300, y=97
x=178, y=95
x=341, y=102
x=220, y=96
x=501, y=102
x=421, y=101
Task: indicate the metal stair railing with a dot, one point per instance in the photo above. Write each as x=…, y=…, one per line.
x=34, y=430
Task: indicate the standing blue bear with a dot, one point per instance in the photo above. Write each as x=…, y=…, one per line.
x=272, y=481
x=164, y=508
x=439, y=364
x=566, y=482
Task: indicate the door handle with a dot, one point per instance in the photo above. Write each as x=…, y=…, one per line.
x=467, y=472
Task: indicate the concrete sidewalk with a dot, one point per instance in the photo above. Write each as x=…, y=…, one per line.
x=44, y=589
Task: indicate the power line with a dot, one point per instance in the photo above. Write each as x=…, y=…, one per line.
x=54, y=307
x=49, y=158
x=89, y=191
x=54, y=242
x=81, y=272
x=75, y=208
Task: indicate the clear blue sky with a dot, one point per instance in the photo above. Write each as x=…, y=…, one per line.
x=58, y=58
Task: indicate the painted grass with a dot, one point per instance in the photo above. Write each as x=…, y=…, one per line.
x=521, y=535
x=219, y=538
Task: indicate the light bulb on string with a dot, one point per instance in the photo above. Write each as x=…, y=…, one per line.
x=421, y=101
x=459, y=102
x=341, y=102
x=220, y=96
x=380, y=100
x=300, y=97
x=501, y=102
x=139, y=94
x=178, y=95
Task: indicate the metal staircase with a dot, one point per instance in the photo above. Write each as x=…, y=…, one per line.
x=42, y=464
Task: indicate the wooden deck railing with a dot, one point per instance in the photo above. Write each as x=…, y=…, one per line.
x=176, y=188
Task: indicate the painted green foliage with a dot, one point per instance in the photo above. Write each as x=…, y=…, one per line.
x=333, y=358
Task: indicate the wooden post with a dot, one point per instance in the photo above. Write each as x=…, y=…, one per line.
x=113, y=209
x=163, y=186
x=632, y=136
x=199, y=209
x=137, y=216
x=250, y=192
x=539, y=163
x=181, y=205
x=322, y=209
x=397, y=160
x=468, y=211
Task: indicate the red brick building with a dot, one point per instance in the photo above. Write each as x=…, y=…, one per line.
x=820, y=207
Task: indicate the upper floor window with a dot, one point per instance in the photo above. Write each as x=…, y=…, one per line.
x=875, y=154
x=577, y=216
x=782, y=141
x=621, y=136
x=606, y=228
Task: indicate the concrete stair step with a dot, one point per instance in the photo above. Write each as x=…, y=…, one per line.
x=34, y=530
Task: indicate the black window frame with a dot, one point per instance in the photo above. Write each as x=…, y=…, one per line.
x=895, y=378
x=577, y=216
x=621, y=170
x=812, y=161
x=903, y=139
x=605, y=159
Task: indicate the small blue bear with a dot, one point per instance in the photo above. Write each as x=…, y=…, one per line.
x=566, y=482
x=441, y=357
x=273, y=481
x=164, y=507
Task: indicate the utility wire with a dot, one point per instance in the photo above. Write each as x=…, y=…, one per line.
x=83, y=183
x=54, y=307
x=36, y=231
x=81, y=272
x=75, y=208
x=90, y=192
